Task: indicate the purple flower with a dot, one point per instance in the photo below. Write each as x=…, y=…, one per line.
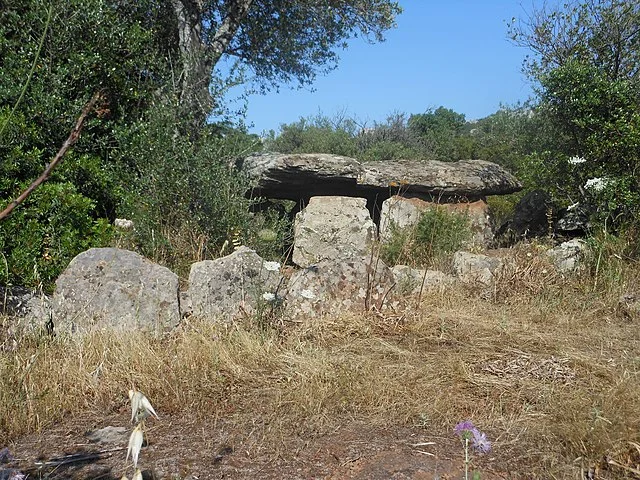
x=464, y=428
x=480, y=442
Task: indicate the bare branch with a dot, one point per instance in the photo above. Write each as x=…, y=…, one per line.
x=72, y=139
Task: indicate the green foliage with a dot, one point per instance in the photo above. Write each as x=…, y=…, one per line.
x=186, y=198
x=438, y=234
x=318, y=134
x=598, y=121
x=389, y=140
x=39, y=240
x=442, y=128
x=586, y=67
x=611, y=256
x=601, y=33
x=283, y=41
x=56, y=222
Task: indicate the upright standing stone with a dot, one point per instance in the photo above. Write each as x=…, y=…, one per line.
x=332, y=228
x=229, y=287
x=405, y=212
x=113, y=288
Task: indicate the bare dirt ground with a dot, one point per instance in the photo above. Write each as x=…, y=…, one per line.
x=181, y=448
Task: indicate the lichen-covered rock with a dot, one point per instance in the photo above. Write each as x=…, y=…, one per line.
x=412, y=281
x=475, y=268
x=296, y=176
x=332, y=228
x=333, y=286
x=404, y=212
x=110, y=288
x=232, y=287
x=28, y=309
x=568, y=257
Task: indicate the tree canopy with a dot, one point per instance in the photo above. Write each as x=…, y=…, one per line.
x=278, y=40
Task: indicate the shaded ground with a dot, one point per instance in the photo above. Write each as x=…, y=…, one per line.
x=214, y=449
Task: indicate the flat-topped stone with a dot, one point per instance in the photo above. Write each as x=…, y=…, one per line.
x=300, y=176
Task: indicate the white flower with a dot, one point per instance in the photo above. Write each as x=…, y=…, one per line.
x=596, y=184
x=269, y=297
x=308, y=294
x=123, y=223
x=271, y=266
x=576, y=160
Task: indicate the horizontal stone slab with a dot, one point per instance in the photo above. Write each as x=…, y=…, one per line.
x=300, y=176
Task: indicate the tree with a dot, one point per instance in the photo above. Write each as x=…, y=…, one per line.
x=442, y=128
x=601, y=33
x=441, y=120
x=279, y=40
x=586, y=67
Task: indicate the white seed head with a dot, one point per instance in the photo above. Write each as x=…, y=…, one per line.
x=135, y=444
x=140, y=406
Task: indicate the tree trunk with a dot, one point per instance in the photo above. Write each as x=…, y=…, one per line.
x=199, y=58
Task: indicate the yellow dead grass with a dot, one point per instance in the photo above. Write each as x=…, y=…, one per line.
x=546, y=367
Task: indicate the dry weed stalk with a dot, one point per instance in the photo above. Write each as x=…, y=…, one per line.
x=551, y=379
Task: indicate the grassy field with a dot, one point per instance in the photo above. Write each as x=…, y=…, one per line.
x=547, y=366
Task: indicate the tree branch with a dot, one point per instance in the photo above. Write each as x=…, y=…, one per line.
x=72, y=139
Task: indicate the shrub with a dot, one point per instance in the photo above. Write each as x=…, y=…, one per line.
x=186, y=197
x=438, y=234
x=39, y=239
x=57, y=221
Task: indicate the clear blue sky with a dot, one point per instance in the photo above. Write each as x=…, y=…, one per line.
x=453, y=53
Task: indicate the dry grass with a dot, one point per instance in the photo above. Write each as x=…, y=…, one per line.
x=545, y=367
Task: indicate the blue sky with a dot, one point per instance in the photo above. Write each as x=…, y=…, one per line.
x=453, y=53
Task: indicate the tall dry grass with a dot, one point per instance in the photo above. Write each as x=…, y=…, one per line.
x=546, y=366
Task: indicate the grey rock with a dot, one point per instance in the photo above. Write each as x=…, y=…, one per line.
x=109, y=435
x=573, y=222
x=110, y=288
x=334, y=286
x=568, y=257
x=28, y=309
x=629, y=305
x=532, y=217
x=475, y=268
x=230, y=287
x=412, y=281
x=332, y=228
x=297, y=176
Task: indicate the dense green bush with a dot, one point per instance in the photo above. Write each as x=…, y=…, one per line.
x=438, y=234
x=57, y=221
x=186, y=198
x=40, y=239
x=388, y=140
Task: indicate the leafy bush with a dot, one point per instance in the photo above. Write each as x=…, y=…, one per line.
x=389, y=140
x=438, y=234
x=57, y=221
x=186, y=197
x=54, y=225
